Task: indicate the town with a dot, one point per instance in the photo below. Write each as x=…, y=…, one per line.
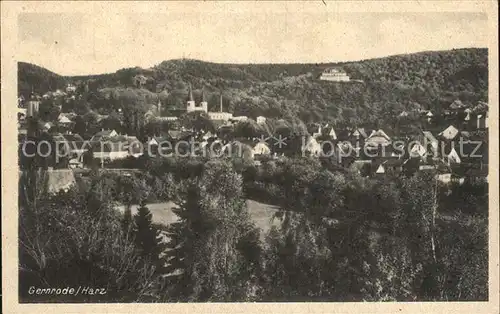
x=453, y=142
x=192, y=181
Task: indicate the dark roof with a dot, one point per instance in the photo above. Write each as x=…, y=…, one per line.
x=104, y=133
x=73, y=137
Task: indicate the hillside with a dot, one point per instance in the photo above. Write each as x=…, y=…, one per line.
x=40, y=79
x=428, y=79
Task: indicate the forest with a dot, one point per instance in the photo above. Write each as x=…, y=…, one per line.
x=339, y=236
x=336, y=235
x=386, y=86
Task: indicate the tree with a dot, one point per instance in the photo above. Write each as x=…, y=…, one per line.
x=146, y=236
x=212, y=239
x=248, y=129
x=197, y=120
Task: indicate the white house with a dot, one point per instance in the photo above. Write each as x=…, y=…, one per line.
x=418, y=151
x=103, y=134
x=312, y=147
x=63, y=119
x=222, y=116
x=332, y=134
x=453, y=157
x=261, y=148
x=318, y=132
x=449, y=133
x=70, y=88
x=261, y=120
x=467, y=112
x=377, y=138
x=380, y=169
x=335, y=75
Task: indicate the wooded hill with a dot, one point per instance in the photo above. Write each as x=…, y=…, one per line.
x=428, y=80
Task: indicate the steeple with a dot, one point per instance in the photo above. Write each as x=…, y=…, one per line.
x=159, y=107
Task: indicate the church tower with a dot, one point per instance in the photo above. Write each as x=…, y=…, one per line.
x=190, y=103
x=204, y=103
x=33, y=105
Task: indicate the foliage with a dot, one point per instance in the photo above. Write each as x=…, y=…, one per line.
x=429, y=80
x=73, y=239
x=211, y=245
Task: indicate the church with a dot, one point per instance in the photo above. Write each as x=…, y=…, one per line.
x=191, y=106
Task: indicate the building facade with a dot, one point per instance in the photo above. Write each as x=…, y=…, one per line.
x=334, y=75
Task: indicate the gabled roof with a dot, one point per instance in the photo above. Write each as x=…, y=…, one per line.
x=104, y=133
x=379, y=132
x=360, y=132
x=449, y=133
x=481, y=107
x=63, y=118
x=73, y=137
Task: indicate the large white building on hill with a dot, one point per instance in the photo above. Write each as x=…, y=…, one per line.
x=334, y=75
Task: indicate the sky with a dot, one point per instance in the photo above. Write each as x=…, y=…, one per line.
x=83, y=43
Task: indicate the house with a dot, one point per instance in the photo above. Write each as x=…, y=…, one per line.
x=427, y=164
x=334, y=75
x=70, y=88
x=159, y=143
x=261, y=120
x=430, y=143
x=239, y=118
x=418, y=151
x=467, y=114
x=47, y=126
x=378, y=138
x=330, y=132
x=177, y=135
x=449, y=133
x=63, y=119
x=311, y=147
x=451, y=156
x=429, y=116
x=208, y=135
x=359, y=133
x=261, y=148
x=317, y=131
x=444, y=177
x=379, y=168
x=21, y=113
x=103, y=135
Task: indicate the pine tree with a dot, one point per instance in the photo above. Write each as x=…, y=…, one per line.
x=208, y=261
x=127, y=220
x=146, y=235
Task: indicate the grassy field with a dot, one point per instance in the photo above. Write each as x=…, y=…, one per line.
x=261, y=213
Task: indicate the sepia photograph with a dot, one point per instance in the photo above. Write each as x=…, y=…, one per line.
x=226, y=152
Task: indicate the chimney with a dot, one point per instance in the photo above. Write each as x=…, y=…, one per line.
x=221, y=102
